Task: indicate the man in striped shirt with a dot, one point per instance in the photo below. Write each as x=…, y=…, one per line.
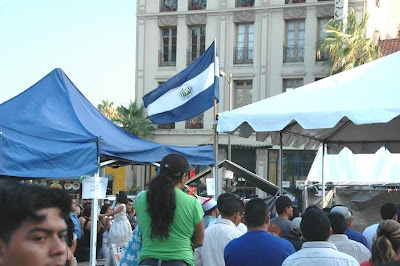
x=342, y=242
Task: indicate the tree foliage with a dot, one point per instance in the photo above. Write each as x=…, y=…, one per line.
x=348, y=50
x=108, y=109
x=133, y=119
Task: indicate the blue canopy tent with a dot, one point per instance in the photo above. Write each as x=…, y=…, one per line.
x=52, y=130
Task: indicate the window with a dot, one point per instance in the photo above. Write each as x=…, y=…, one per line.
x=197, y=4
x=197, y=43
x=294, y=48
x=243, y=93
x=296, y=165
x=294, y=1
x=169, y=5
x=244, y=3
x=166, y=126
x=291, y=84
x=322, y=55
x=195, y=122
x=168, y=52
x=245, y=44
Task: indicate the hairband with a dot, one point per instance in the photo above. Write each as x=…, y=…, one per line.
x=385, y=233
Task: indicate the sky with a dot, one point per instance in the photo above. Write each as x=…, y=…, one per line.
x=92, y=41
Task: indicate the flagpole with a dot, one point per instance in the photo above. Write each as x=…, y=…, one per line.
x=216, y=73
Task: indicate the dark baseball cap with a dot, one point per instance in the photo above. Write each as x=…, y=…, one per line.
x=175, y=163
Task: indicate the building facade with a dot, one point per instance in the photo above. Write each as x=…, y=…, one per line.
x=265, y=48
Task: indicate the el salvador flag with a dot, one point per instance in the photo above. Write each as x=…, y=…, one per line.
x=189, y=93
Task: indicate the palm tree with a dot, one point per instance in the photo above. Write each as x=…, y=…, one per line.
x=108, y=109
x=348, y=50
x=133, y=119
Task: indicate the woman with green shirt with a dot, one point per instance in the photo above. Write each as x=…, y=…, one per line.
x=171, y=221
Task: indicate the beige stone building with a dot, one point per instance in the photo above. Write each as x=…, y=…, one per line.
x=265, y=47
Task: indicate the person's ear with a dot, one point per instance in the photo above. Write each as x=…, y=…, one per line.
x=267, y=220
x=330, y=231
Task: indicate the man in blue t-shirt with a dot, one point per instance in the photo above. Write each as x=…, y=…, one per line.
x=257, y=246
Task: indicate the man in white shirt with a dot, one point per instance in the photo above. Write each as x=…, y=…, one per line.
x=342, y=242
x=217, y=236
x=317, y=251
x=388, y=211
x=221, y=199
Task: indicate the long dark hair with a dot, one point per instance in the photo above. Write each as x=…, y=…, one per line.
x=121, y=197
x=161, y=202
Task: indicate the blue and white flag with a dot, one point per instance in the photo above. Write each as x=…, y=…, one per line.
x=189, y=93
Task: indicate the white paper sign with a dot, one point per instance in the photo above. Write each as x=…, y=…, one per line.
x=94, y=187
x=229, y=174
x=286, y=183
x=210, y=186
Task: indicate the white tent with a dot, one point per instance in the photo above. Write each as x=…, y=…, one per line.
x=358, y=109
x=347, y=168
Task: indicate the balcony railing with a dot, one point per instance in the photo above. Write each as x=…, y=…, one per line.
x=197, y=4
x=244, y=3
x=322, y=55
x=294, y=1
x=193, y=55
x=167, y=58
x=169, y=5
x=293, y=53
x=243, y=55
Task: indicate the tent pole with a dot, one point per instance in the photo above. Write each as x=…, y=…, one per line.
x=323, y=175
x=215, y=150
x=280, y=165
x=93, y=227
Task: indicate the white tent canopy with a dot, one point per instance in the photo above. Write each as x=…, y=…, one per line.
x=347, y=168
x=358, y=109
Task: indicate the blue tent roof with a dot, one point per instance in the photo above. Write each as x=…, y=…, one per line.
x=52, y=130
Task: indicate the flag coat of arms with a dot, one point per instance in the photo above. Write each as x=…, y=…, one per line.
x=187, y=94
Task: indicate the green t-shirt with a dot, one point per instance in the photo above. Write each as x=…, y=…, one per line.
x=177, y=246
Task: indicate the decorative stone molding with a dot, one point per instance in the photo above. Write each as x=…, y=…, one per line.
x=167, y=21
x=196, y=19
x=294, y=13
x=223, y=17
x=142, y=8
x=263, y=70
x=261, y=153
x=357, y=7
x=141, y=21
x=140, y=73
x=325, y=11
x=244, y=16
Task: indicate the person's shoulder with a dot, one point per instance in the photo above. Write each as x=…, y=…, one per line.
x=181, y=194
x=237, y=242
x=371, y=228
x=274, y=219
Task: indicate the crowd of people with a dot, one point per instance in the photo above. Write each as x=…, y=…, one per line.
x=45, y=226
